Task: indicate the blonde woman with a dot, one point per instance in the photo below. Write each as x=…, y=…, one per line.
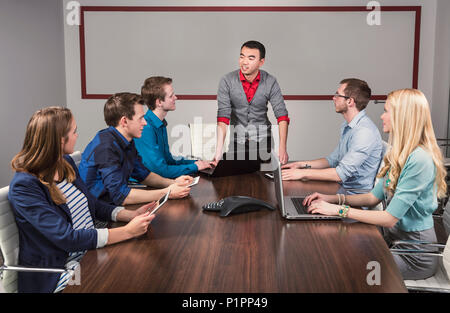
x=412, y=180
x=53, y=208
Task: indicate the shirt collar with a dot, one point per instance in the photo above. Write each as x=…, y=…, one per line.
x=154, y=120
x=357, y=118
x=243, y=79
x=122, y=140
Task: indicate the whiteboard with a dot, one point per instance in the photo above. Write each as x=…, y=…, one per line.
x=308, y=52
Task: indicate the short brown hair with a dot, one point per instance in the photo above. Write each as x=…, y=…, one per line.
x=153, y=89
x=120, y=104
x=359, y=90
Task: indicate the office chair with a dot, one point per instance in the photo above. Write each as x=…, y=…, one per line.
x=76, y=157
x=440, y=282
x=9, y=248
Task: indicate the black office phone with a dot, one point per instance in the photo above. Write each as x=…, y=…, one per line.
x=237, y=204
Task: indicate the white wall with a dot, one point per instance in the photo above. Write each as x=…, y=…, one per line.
x=32, y=63
x=314, y=123
x=31, y=69
x=441, y=79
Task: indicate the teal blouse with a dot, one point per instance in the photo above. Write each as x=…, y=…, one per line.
x=414, y=199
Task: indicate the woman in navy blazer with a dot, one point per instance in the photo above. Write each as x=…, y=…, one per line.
x=46, y=232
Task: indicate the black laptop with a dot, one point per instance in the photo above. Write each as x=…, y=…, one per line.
x=232, y=167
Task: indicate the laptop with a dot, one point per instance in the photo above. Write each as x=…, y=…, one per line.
x=291, y=207
x=233, y=166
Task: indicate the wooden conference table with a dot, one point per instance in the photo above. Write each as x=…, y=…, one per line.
x=187, y=250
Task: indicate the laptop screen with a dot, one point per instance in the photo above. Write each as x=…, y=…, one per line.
x=275, y=163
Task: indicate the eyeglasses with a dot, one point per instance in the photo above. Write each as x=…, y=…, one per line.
x=336, y=95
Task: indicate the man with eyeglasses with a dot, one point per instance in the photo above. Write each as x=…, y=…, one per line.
x=355, y=161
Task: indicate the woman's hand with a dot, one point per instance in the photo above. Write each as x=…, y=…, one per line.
x=324, y=208
x=317, y=196
x=139, y=224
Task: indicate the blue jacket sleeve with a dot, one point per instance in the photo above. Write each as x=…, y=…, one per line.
x=111, y=174
x=34, y=211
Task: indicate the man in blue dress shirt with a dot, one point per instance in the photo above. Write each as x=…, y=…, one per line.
x=355, y=161
x=111, y=158
x=153, y=145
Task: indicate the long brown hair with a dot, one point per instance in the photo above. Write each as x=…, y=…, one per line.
x=42, y=151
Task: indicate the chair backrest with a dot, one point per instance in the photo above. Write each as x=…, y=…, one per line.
x=446, y=259
x=446, y=218
x=446, y=253
x=380, y=206
x=9, y=241
x=385, y=149
x=76, y=157
x=203, y=140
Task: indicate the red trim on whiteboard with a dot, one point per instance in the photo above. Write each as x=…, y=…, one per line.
x=415, y=82
x=83, y=9
x=214, y=97
x=84, y=95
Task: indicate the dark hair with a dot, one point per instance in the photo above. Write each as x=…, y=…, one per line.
x=153, y=89
x=252, y=44
x=120, y=104
x=358, y=90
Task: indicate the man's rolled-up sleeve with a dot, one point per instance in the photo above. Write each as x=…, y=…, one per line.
x=223, y=101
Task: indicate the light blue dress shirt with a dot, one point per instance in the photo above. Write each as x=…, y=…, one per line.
x=414, y=199
x=359, y=153
x=153, y=147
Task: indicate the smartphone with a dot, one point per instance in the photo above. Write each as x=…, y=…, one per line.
x=268, y=175
x=161, y=202
x=195, y=182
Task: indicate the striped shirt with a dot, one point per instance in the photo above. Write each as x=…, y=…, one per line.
x=81, y=219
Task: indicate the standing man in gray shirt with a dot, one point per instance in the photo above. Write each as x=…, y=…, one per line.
x=242, y=99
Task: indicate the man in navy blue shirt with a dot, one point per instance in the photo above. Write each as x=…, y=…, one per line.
x=111, y=158
x=153, y=146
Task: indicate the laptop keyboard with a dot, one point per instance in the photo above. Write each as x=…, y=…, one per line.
x=298, y=204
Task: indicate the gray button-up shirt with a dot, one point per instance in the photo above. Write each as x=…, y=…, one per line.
x=359, y=153
x=233, y=104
